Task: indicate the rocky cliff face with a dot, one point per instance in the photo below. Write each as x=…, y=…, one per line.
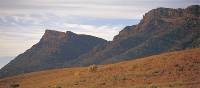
x=160, y=30
x=54, y=50
x=127, y=31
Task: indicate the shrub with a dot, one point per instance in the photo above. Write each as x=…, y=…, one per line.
x=14, y=85
x=153, y=86
x=92, y=68
x=57, y=86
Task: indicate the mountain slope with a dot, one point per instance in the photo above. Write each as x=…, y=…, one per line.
x=52, y=51
x=160, y=30
x=178, y=69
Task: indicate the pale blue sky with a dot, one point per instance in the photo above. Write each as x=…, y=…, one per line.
x=22, y=22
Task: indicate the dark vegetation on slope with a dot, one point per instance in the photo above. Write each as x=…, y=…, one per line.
x=160, y=30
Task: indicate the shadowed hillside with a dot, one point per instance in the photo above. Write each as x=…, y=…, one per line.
x=160, y=30
x=52, y=51
x=175, y=70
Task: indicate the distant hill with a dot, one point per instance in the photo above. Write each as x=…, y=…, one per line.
x=169, y=70
x=52, y=51
x=160, y=30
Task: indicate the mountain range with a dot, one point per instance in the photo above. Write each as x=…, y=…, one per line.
x=161, y=30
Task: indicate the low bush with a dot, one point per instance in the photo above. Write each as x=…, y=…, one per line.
x=14, y=85
x=92, y=68
x=153, y=86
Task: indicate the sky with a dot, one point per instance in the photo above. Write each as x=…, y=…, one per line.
x=23, y=22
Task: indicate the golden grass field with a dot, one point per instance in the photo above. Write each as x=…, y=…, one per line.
x=179, y=69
